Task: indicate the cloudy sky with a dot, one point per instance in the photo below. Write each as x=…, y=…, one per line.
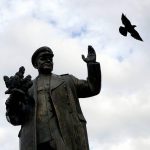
x=119, y=117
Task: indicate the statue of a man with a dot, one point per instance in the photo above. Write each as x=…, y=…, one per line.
x=49, y=111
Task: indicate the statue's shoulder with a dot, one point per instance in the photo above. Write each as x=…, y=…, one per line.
x=63, y=75
x=67, y=76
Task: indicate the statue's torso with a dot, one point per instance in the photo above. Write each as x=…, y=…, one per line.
x=46, y=119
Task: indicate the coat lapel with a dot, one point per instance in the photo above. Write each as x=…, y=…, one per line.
x=55, y=81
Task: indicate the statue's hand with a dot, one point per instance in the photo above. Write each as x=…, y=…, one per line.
x=91, y=57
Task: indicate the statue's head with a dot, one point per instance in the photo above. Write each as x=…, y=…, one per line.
x=42, y=59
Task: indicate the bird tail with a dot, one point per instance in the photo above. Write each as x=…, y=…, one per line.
x=123, y=31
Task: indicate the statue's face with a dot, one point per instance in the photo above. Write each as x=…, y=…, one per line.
x=45, y=62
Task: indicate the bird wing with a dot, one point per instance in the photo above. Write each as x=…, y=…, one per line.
x=136, y=35
x=125, y=21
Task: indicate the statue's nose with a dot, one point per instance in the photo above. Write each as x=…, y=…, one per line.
x=49, y=61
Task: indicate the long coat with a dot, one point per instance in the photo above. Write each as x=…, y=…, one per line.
x=65, y=91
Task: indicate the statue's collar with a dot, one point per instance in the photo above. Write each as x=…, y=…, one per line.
x=55, y=81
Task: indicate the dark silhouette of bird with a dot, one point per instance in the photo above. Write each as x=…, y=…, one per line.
x=128, y=27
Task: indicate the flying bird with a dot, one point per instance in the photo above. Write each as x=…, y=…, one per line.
x=128, y=27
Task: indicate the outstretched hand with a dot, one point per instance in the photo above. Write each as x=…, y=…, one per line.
x=91, y=57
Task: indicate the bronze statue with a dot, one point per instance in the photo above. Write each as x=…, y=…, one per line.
x=48, y=107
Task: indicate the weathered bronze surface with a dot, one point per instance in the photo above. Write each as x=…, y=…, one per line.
x=48, y=108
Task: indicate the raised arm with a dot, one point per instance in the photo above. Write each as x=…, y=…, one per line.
x=91, y=86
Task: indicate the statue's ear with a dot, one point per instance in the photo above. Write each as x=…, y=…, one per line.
x=35, y=65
